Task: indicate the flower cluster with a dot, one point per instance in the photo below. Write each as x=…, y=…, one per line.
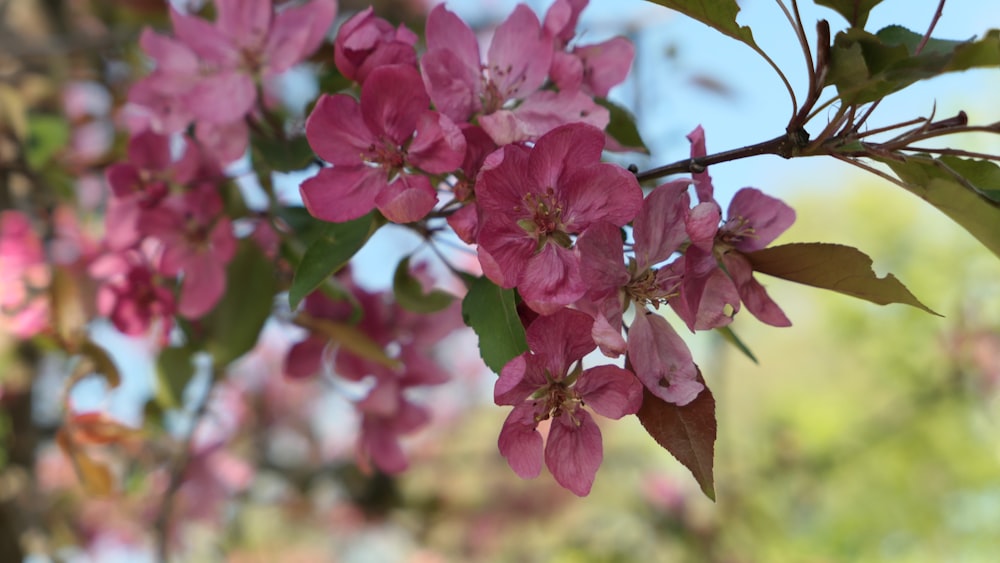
x=507, y=145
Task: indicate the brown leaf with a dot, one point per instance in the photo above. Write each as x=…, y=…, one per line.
x=836, y=267
x=94, y=476
x=687, y=432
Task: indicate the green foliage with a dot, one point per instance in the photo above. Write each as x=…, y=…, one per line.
x=687, y=432
x=836, y=267
x=866, y=67
x=492, y=313
x=622, y=127
x=719, y=14
x=283, y=155
x=330, y=252
x=936, y=182
x=174, y=370
x=232, y=328
x=47, y=135
x=410, y=295
x=854, y=11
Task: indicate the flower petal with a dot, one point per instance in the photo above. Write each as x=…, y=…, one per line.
x=520, y=443
x=610, y=391
x=574, y=451
x=342, y=193
x=661, y=360
x=407, y=199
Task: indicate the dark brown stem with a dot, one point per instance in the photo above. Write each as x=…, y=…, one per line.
x=786, y=146
x=930, y=28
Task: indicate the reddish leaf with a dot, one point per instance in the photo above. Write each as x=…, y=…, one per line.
x=94, y=475
x=687, y=432
x=836, y=267
x=99, y=428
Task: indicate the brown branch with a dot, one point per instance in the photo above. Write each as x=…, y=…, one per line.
x=785, y=146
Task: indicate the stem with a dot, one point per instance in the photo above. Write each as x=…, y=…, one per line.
x=785, y=146
x=784, y=79
x=930, y=29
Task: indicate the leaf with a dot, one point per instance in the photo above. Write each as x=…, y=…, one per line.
x=47, y=135
x=410, y=294
x=719, y=14
x=284, y=155
x=934, y=181
x=102, y=362
x=687, y=432
x=68, y=313
x=329, y=253
x=174, y=370
x=836, y=267
x=854, y=11
x=492, y=313
x=982, y=175
x=622, y=127
x=99, y=428
x=729, y=336
x=232, y=328
x=866, y=67
x=94, y=476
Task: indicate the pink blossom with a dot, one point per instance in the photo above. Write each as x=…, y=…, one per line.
x=198, y=242
x=505, y=91
x=532, y=201
x=131, y=295
x=593, y=69
x=381, y=150
x=366, y=42
x=542, y=383
x=24, y=277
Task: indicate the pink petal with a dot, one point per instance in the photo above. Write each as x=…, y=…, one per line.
x=661, y=360
x=342, y=193
x=439, y=145
x=552, y=280
x=504, y=181
x=659, y=228
x=601, y=192
x=560, y=20
x=245, y=23
x=606, y=64
x=453, y=87
x=205, y=39
x=610, y=391
x=409, y=198
x=574, y=451
x=752, y=293
x=222, y=98
x=520, y=443
x=602, y=259
x=519, y=56
x=446, y=31
x=566, y=71
x=172, y=57
x=225, y=142
x=150, y=151
x=336, y=131
x=465, y=223
x=542, y=112
x=392, y=99
x=204, y=284
x=702, y=224
x=768, y=216
x=559, y=340
x=305, y=359
x=560, y=152
x=287, y=44
x=702, y=181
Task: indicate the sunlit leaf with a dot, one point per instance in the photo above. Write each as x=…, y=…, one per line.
x=956, y=197
x=854, y=11
x=719, y=14
x=410, y=294
x=865, y=67
x=329, y=253
x=981, y=175
x=836, y=267
x=622, y=127
x=492, y=313
x=687, y=432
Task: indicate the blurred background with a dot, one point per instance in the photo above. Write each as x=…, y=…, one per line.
x=862, y=433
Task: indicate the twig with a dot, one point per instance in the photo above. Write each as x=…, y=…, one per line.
x=785, y=146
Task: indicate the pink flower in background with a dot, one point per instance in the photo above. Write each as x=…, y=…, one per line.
x=532, y=201
x=24, y=277
x=131, y=295
x=542, y=383
x=505, y=91
x=381, y=150
x=592, y=69
x=366, y=42
x=198, y=242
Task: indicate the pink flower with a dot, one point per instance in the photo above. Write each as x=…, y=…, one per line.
x=542, y=383
x=381, y=150
x=366, y=42
x=594, y=69
x=505, y=91
x=532, y=201
x=198, y=242
x=131, y=294
x=24, y=277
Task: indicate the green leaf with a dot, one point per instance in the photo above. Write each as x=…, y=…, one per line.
x=719, y=14
x=687, y=432
x=283, y=155
x=232, y=328
x=350, y=338
x=729, y=336
x=622, y=126
x=329, y=253
x=836, y=267
x=410, y=294
x=47, y=135
x=934, y=181
x=491, y=311
x=174, y=370
x=866, y=67
x=982, y=175
x=854, y=11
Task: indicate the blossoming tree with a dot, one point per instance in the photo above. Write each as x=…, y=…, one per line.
x=573, y=263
